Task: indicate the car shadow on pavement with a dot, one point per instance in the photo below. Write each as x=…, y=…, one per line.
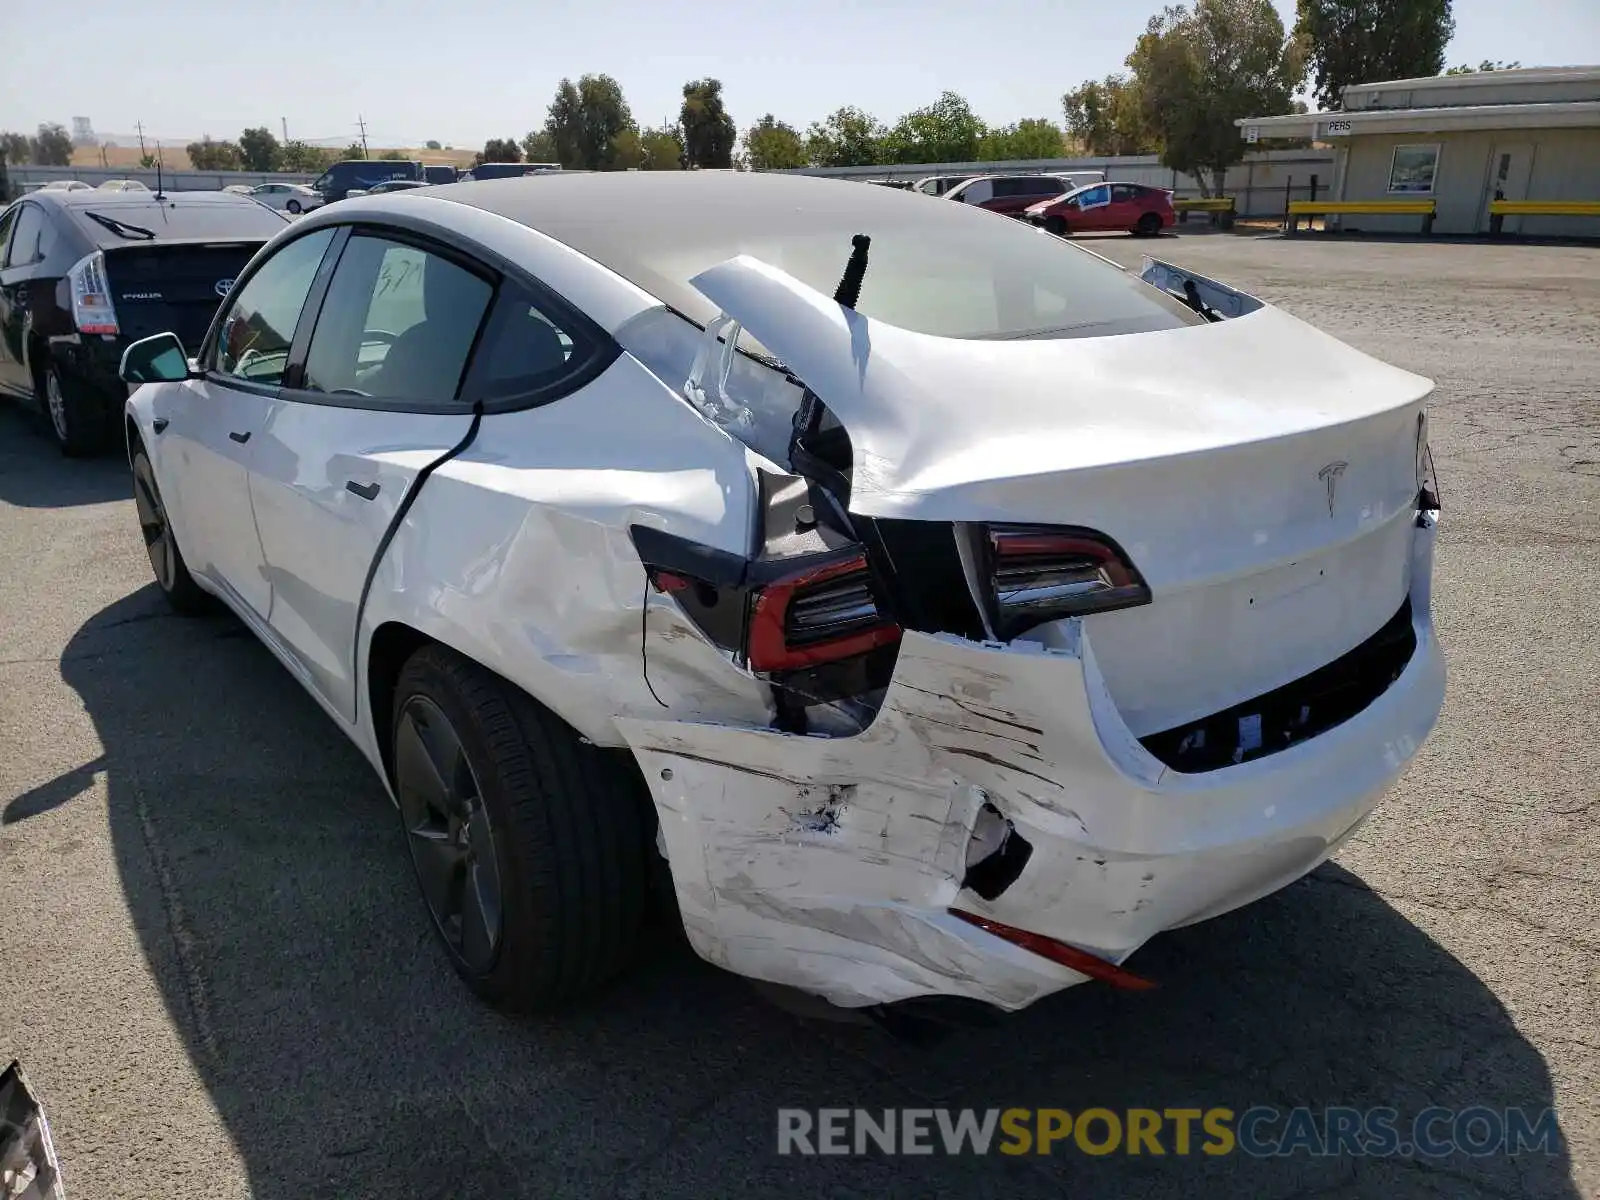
x=34, y=475
x=263, y=870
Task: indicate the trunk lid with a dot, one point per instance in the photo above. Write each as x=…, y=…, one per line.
x=173, y=285
x=1259, y=473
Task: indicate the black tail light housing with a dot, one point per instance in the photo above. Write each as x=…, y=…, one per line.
x=1040, y=573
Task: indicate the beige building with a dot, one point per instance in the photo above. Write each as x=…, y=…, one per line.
x=1462, y=141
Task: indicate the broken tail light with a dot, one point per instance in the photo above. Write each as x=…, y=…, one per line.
x=1044, y=573
x=817, y=613
x=1427, y=481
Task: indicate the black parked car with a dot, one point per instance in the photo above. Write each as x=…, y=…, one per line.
x=85, y=273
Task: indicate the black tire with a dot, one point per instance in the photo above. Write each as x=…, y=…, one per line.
x=161, y=543
x=1149, y=225
x=76, y=416
x=1057, y=226
x=294, y=207
x=567, y=827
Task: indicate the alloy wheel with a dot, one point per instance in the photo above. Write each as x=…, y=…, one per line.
x=56, y=401
x=449, y=833
x=158, y=542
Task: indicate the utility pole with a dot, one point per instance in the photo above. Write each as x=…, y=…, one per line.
x=139, y=125
x=361, y=121
x=285, y=121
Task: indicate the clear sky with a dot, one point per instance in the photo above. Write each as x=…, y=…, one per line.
x=464, y=70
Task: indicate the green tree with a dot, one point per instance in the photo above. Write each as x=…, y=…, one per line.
x=1364, y=41
x=663, y=148
x=1198, y=71
x=539, y=147
x=15, y=147
x=299, y=157
x=585, y=119
x=393, y=156
x=1029, y=138
x=627, y=151
x=945, y=131
x=147, y=161
x=1487, y=64
x=499, y=150
x=259, y=150
x=431, y=145
x=52, y=147
x=208, y=155
x=709, y=133
x=1106, y=116
x=847, y=138
x=771, y=145
x=354, y=150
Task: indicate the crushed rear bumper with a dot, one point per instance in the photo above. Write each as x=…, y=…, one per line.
x=831, y=864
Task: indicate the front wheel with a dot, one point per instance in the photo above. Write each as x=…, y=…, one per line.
x=531, y=846
x=161, y=544
x=294, y=207
x=1057, y=226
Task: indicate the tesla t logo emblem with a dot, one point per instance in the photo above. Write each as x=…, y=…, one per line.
x=222, y=287
x=1330, y=478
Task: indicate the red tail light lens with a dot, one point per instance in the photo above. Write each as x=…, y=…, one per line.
x=1044, y=573
x=817, y=614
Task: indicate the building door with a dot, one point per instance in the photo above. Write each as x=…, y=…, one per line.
x=1509, y=167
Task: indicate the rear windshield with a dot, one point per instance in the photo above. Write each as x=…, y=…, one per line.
x=174, y=219
x=944, y=269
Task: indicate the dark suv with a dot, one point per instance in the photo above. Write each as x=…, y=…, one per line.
x=85, y=273
x=364, y=174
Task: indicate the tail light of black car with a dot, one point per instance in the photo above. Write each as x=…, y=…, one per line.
x=1039, y=573
x=92, y=310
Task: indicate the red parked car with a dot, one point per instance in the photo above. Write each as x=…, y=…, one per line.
x=1143, y=211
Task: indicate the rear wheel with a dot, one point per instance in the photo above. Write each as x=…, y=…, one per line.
x=161, y=544
x=531, y=846
x=1149, y=225
x=293, y=206
x=77, y=416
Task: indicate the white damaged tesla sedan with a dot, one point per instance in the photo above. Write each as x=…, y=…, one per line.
x=944, y=609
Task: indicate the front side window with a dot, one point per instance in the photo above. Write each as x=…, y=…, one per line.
x=256, y=334
x=1094, y=197
x=1412, y=169
x=398, y=323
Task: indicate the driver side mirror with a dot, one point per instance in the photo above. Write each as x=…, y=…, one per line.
x=156, y=359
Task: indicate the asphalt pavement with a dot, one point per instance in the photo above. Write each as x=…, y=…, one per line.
x=215, y=966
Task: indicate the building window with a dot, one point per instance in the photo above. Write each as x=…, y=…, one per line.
x=1413, y=168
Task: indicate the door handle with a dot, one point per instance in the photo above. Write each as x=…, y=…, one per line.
x=367, y=491
x=159, y=424
x=241, y=438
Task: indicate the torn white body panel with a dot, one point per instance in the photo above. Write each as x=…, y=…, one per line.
x=830, y=864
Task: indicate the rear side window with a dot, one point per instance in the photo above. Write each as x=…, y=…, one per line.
x=524, y=349
x=254, y=340
x=398, y=324
x=7, y=220
x=1126, y=191
x=28, y=238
